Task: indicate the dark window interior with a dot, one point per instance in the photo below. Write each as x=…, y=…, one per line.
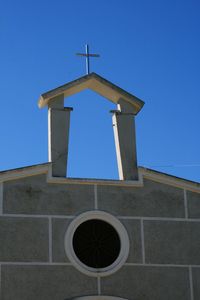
x=96, y=243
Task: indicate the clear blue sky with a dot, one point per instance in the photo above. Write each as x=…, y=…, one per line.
x=149, y=48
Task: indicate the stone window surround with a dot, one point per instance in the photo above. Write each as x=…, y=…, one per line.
x=118, y=226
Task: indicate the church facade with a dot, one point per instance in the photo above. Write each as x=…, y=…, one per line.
x=136, y=238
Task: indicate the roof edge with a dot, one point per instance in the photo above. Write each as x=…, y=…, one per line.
x=18, y=173
x=150, y=174
x=169, y=179
x=47, y=96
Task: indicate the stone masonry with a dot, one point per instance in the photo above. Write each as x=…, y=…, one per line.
x=163, y=225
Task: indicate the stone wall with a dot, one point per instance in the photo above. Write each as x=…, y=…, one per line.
x=163, y=225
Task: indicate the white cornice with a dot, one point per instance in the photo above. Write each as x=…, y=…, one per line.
x=24, y=172
x=169, y=179
x=143, y=174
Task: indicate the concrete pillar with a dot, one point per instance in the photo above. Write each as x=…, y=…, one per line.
x=125, y=141
x=58, y=127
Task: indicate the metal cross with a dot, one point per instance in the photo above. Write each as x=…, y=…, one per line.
x=87, y=55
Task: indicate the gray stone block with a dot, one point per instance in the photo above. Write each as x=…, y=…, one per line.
x=23, y=239
x=172, y=242
x=59, y=227
x=32, y=195
x=45, y=282
x=152, y=200
x=196, y=282
x=134, y=233
x=193, y=205
x=148, y=283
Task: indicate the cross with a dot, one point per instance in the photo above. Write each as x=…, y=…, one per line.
x=87, y=55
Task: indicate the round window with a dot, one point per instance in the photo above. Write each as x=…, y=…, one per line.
x=97, y=243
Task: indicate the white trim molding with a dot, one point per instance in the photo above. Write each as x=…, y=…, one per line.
x=116, y=224
x=24, y=172
x=86, y=181
x=169, y=179
x=143, y=173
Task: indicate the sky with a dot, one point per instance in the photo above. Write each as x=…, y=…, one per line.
x=149, y=48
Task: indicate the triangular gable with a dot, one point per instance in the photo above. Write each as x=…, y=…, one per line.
x=96, y=83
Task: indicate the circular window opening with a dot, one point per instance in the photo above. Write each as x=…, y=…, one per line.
x=96, y=243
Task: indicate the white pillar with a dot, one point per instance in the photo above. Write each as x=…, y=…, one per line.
x=58, y=127
x=125, y=141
